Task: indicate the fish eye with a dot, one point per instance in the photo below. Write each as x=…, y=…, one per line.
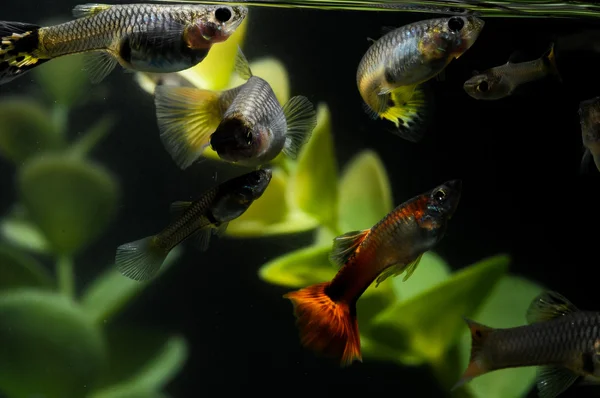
x=223, y=14
x=439, y=195
x=483, y=86
x=455, y=24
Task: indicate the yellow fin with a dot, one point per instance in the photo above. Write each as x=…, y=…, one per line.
x=549, y=305
x=89, y=9
x=186, y=117
x=345, y=245
x=406, y=107
x=19, y=49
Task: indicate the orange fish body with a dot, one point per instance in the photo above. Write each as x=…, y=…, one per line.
x=326, y=312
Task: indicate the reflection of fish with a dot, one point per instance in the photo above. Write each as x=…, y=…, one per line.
x=141, y=259
x=589, y=117
x=326, y=312
x=391, y=70
x=142, y=37
x=244, y=125
x=501, y=81
x=559, y=336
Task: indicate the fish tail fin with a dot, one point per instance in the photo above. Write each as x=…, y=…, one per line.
x=186, y=119
x=327, y=327
x=19, y=44
x=407, y=108
x=550, y=60
x=140, y=260
x=301, y=119
x=477, y=364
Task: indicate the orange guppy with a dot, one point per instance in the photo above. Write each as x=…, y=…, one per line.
x=326, y=312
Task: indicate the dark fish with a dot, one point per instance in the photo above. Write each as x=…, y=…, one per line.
x=210, y=214
x=326, y=312
x=141, y=37
x=392, y=69
x=562, y=339
x=245, y=125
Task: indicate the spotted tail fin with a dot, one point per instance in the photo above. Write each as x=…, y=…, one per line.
x=19, y=43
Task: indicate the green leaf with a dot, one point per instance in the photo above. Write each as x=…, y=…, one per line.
x=71, y=200
x=26, y=129
x=141, y=361
x=50, y=347
x=432, y=271
x=111, y=291
x=423, y=328
x=506, y=307
x=20, y=232
x=299, y=268
x=313, y=185
x=365, y=195
x=271, y=214
x=92, y=136
x=64, y=79
x=18, y=269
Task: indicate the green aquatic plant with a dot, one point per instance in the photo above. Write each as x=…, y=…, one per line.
x=57, y=339
x=413, y=323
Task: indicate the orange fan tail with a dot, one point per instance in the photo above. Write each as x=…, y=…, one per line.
x=326, y=327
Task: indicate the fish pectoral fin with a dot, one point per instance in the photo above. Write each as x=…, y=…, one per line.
x=301, y=119
x=398, y=269
x=410, y=268
x=345, y=245
x=89, y=9
x=178, y=208
x=549, y=305
x=201, y=238
x=242, y=67
x=99, y=64
x=186, y=117
x=585, y=160
x=554, y=380
x=221, y=229
x=440, y=77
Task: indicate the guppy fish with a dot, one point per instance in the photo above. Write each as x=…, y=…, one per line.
x=392, y=69
x=501, y=81
x=244, y=125
x=589, y=117
x=559, y=337
x=210, y=214
x=141, y=37
x=326, y=312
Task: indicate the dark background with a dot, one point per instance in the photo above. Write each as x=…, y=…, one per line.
x=518, y=159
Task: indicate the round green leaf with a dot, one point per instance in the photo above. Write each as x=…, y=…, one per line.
x=433, y=270
x=24, y=234
x=313, y=185
x=505, y=308
x=64, y=79
x=423, y=328
x=271, y=214
x=71, y=200
x=365, y=195
x=299, y=268
x=18, y=269
x=26, y=130
x=49, y=348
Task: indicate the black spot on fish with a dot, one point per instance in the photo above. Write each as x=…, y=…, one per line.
x=211, y=218
x=20, y=58
x=389, y=77
x=587, y=361
x=390, y=102
x=125, y=50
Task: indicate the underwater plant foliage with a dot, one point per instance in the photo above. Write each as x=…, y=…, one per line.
x=414, y=323
x=55, y=342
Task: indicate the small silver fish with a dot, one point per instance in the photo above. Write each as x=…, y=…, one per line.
x=244, y=125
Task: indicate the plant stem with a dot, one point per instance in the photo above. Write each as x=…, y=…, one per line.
x=64, y=271
x=60, y=118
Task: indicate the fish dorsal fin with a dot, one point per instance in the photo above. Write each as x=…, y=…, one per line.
x=554, y=380
x=345, y=245
x=99, y=64
x=301, y=119
x=387, y=29
x=549, y=305
x=201, y=238
x=242, y=67
x=89, y=9
x=178, y=208
x=397, y=269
